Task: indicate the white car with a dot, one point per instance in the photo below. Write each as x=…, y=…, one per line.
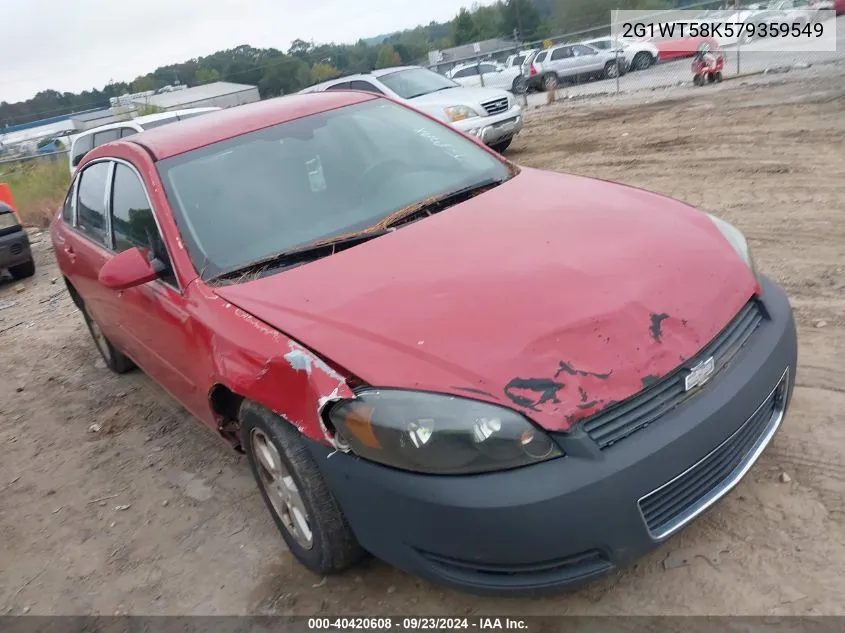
x=83, y=143
x=490, y=75
x=639, y=55
x=490, y=114
x=522, y=59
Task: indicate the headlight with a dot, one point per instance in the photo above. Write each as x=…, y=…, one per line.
x=460, y=112
x=737, y=240
x=437, y=434
x=7, y=220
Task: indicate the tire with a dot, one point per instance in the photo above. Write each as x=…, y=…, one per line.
x=314, y=513
x=611, y=70
x=115, y=360
x=711, y=78
x=502, y=146
x=698, y=80
x=718, y=77
x=642, y=61
x=22, y=271
x=519, y=86
x=550, y=81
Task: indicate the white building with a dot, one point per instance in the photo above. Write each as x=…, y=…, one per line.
x=221, y=94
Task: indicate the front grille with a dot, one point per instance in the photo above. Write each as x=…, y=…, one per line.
x=621, y=420
x=495, y=107
x=16, y=249
x=677, y=502
x=569, y=569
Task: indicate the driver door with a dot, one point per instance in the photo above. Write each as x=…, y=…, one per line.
x=158, y=328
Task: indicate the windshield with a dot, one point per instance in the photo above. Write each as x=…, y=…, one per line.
x=416, y=82
x=325, y=175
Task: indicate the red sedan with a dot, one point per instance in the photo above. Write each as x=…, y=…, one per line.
x=676, y=43
x=421, y=357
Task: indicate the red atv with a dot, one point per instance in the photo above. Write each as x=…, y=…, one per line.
x=707, y=67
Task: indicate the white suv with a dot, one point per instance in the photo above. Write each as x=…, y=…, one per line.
x=89, y=139
x=490, y=114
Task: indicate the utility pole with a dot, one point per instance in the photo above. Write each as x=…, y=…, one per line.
x=516, y=4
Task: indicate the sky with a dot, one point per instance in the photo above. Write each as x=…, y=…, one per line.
x=75, y=45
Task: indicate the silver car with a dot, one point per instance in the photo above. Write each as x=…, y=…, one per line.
x=572, y=62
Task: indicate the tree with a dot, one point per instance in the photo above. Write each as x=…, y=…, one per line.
x=388, y=57
x=521, y=16
x=487, y=21
x=206, y=75
x=142, y=84
x=300, y=48
x=323, y=72
x=463, y=29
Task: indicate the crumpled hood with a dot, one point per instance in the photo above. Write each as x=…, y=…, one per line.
x=552, y=294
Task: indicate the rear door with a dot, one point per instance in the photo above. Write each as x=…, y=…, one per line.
x=86, y=245
x=562, y=62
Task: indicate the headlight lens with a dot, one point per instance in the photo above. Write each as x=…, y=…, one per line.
x=7, y=221
x=437, y=434
x=460, y=112
x=737, y=240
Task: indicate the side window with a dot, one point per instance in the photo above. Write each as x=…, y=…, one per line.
x=127, y=131
x=91, y=204
x=582, y=51
x=341, y=86
x=67, y=209
x=602, y=44
x=364, y=85
x=133, y=222
x=488, y=68
x=561, y=53
x=82, y=146
x=541, y=57
x=106, y=136
x=470, y=71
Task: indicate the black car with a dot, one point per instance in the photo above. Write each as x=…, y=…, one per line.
x=15, y=253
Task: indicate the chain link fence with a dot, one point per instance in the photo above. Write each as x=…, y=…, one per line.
x=650, y=65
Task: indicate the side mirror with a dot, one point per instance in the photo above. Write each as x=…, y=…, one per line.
x=129, y=269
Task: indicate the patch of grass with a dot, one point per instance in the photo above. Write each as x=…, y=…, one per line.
x=38, y=186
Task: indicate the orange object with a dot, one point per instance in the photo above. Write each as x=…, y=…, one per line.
x=6, y=196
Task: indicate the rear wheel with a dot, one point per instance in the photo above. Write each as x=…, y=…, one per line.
x=611, y=70
x=300, y=502
x=698, y=80
x=22, y=271
x=550, y=81
x=115, y=360
x=642, y=60
x=718, y=77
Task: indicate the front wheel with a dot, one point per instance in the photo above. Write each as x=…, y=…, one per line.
x=718, y=77
x=519, y=86
x=22, y=271
x=300, y=502
x=502, y=145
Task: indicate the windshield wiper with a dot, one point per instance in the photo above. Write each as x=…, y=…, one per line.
x=435, y=204
x=300, y=255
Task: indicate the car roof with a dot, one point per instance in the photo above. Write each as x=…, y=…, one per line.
x=166, y=141
x=379, y=72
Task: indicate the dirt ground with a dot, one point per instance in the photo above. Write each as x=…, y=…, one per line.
x=113, y=500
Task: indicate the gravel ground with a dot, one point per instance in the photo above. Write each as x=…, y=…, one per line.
x=112, y=499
